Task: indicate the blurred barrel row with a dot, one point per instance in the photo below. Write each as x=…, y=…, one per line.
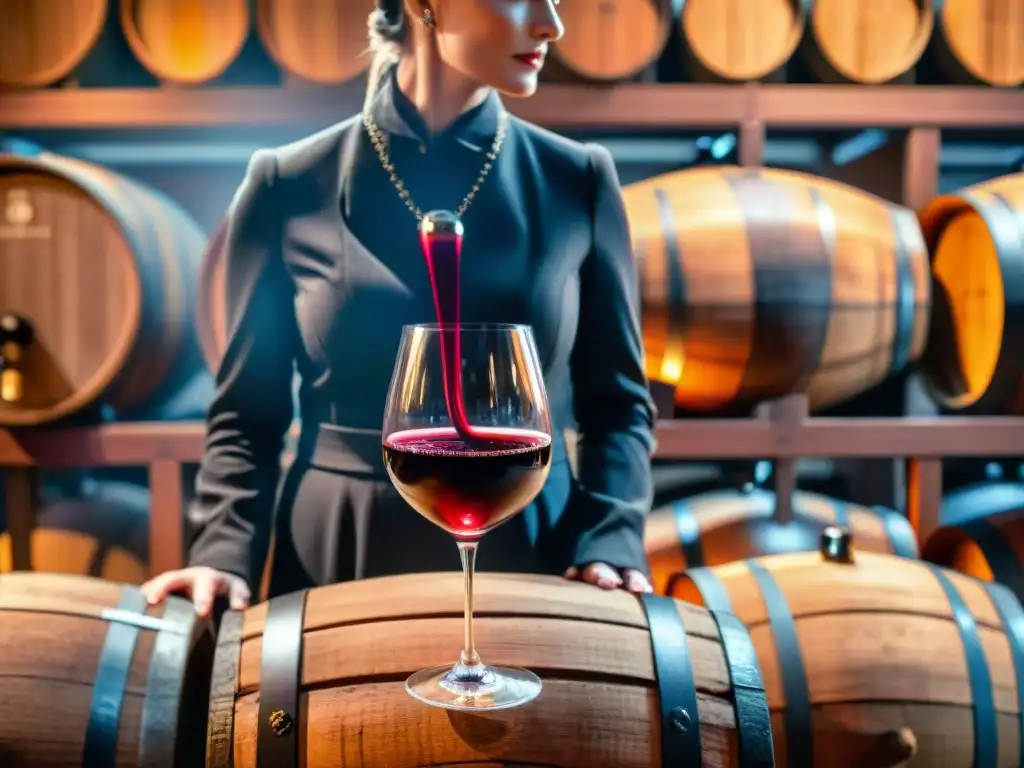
x=324, y=41
x=834, y=657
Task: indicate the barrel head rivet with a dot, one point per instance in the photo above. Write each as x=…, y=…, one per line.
x=281, y=722
x=679, y=718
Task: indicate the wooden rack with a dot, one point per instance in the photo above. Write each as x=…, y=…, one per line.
x=783, y=431
x=629, y=106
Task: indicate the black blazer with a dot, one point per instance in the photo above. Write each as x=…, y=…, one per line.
x=324, y=268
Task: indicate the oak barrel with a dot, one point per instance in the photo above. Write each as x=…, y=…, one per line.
x=92, y=676
x=612, y=40
x=42, y=41
x=760, y=283
x=103, y=532
x=724, y=526
x=865, y=659
x=983, y=534
x=320, y=41
x=974, y=363
x=981, y=41
x=97, y=286
x=627, y=682
x=867, y=42
x=185, y=41
x=741, y=39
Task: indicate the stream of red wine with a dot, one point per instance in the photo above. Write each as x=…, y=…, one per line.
x=442, y=249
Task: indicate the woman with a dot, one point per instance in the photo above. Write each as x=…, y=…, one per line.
x=324, y=269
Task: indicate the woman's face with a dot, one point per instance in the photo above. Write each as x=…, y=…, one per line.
x=499, y=43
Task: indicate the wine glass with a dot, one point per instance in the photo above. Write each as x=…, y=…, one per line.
x=470, y=473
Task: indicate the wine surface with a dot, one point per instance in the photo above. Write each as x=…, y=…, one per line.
x=468, y=488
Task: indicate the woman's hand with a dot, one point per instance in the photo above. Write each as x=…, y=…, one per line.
x=202, y=585
x=606, y=577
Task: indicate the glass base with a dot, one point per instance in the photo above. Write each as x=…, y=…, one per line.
x=478, y=688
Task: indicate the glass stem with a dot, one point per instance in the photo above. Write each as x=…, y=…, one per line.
x=469, y=661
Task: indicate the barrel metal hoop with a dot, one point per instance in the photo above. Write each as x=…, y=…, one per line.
x=677, y=688
x=168, y=670
x=986, y=730
x=1000, y=555
x=689, y=534
x=277, y=735
x=903, y=337
x=115, y=662
x=220, y=747
x=711, y=589
x=799, y=724
x=753, y=718
x=1012, y=615
x=841, y=516
x=900, y=532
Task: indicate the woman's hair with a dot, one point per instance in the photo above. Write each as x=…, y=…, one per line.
x=387, y=32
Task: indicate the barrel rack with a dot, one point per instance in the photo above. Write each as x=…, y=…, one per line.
x=781, y=431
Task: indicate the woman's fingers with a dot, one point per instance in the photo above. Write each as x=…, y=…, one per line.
x=159, y=587
x=206, y=586
x=238, y=594
x=605, y=576
x=636, y=582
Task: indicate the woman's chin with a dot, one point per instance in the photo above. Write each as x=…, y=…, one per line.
x=521, y=87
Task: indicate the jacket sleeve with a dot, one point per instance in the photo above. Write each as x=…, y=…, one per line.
x=252, y=405
x=613, y=408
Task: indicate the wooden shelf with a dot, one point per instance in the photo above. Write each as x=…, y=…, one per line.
x=142, y=444
x=564, y=107
x=783, y=431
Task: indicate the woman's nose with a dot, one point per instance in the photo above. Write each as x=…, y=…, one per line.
x=547, y=25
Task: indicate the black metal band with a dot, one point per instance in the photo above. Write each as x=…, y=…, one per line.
x=100, y=749
x=168, y=667
x=840, y=515
x=986, y=731
x=711, y=589
x=1012, y=615
x=906, y=298
x=902, y=539
x=689, y=534
x=677, y=689
x=799, y=726
x=753, y=718
x=277, y=742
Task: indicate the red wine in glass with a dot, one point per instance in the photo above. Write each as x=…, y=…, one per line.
x=468, y=484
x=463, y=489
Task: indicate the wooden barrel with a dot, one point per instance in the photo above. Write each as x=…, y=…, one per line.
x=981, y=41
x=42, y=41
x=867, y=42
x=861, y=659
x=725, y=526
x=984, y=535
x=974, y=363
x=211, y=309
x=94, y=677
x=103, y=533
x=102, y=270
x=321, y=41
x=620, y=677
x=612, y=40
x=185, y=41
x=741, y=39
x=754, y=285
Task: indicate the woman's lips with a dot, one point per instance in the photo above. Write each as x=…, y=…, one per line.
x=533, y=60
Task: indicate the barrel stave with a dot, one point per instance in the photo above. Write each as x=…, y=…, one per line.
x=754, y=285
x=78, y=650
x=880, y=646
x=593, y=649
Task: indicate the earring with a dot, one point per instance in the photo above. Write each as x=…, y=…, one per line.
x=427, y=18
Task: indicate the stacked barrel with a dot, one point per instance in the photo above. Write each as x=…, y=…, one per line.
x=324, y=41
